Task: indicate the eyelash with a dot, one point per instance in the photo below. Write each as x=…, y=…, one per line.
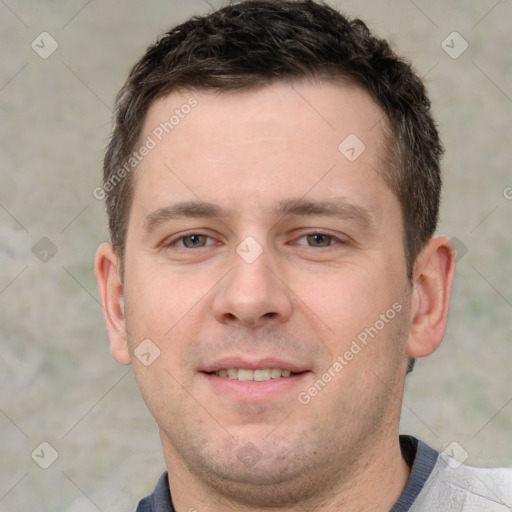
x=322, y=233
x=176, y=241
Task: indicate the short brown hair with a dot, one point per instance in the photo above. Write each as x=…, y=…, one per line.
x=257, y=42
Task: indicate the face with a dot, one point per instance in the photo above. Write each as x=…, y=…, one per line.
x=264, y=263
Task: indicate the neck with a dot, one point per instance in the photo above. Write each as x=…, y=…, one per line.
x=373, y=482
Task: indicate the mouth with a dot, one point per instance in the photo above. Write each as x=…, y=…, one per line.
x=257, y=375
x=259, y=379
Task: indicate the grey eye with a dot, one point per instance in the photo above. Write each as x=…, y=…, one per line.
x=193, y=241
x=319, y=240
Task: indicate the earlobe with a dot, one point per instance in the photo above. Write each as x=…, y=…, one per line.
x=106, y=266
x=432, y=285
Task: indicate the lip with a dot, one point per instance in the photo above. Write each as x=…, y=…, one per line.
x=253, y=364
x=253, y=391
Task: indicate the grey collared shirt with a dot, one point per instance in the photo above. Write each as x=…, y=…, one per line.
x=436, y=483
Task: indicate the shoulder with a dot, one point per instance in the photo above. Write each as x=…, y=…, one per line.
x=159, y=500
x=466, y=488
x=145, y=505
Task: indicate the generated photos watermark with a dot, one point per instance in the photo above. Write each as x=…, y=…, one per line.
x=150, y=143
x=358, y=344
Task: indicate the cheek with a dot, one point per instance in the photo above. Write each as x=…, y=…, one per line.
x=161, y=318
x=362, y=318
x=159, y=301
x=347, y=299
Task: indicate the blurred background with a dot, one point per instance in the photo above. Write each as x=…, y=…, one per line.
x=62, y=64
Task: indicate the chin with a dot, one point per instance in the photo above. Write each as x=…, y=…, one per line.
x=262, y=473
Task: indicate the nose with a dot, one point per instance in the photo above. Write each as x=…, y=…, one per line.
x=253, y=294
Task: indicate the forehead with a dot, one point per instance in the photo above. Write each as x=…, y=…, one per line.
x=254, y=147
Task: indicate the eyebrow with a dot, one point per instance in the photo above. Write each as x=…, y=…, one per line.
x=338, y=207
x=181, y=210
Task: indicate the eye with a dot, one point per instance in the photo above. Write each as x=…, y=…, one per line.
x=318, y=240
x=193, y=241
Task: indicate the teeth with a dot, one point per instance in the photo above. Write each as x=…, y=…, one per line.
x=275, y=373
x=260, y=375
x=245, y=375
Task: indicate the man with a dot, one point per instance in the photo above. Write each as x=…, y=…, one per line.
x=272, y=189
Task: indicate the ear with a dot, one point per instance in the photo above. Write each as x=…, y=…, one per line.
x=106, y=269
x=432, y=287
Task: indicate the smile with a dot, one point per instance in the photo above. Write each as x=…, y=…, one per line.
x=258, y=375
